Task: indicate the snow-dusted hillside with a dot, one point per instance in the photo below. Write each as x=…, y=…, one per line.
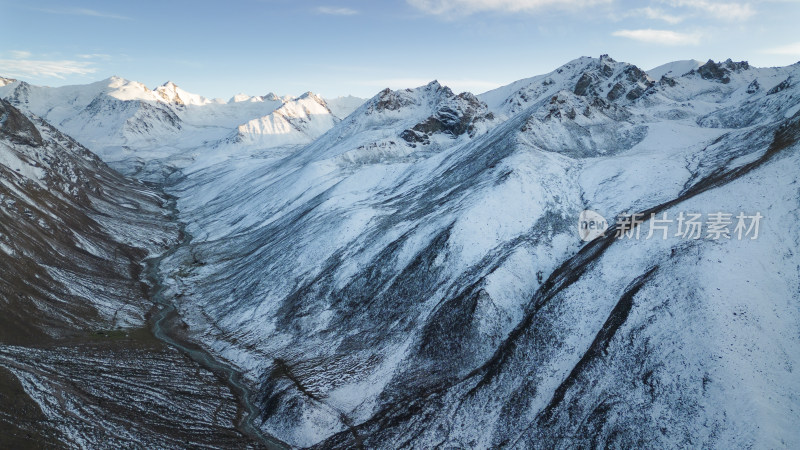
x=78, y=368
x=408, y=272
x=61, y=206
x=415, y=276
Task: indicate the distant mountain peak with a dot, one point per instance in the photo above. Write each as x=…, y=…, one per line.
x=171, y=93
x=312, y=96
x=6, y=81
x=433, y=85
x=238, y=98
x=605, y=57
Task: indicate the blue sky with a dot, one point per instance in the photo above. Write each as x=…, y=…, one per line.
x=341, y=47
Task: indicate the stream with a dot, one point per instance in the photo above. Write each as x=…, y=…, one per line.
x=164, y=327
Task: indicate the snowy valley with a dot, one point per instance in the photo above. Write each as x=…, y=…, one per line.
x=405, y=270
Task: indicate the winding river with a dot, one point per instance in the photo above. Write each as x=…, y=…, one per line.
x=164, y=325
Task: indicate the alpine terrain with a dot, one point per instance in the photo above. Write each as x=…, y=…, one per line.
x=406, y=270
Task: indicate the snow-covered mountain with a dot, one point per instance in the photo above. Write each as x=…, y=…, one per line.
x=410, y=274
x=131, y=126
x=298, y=121
x=415, y=276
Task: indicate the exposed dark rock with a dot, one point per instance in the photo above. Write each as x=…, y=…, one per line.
x=667, y=81
x=455, y=115
x=20, y=94
x=582, y=87
x=736, y=66
x=630, y=79
x=785, y=84
x=16, y=127
x=606, y=70
x=635, y=93
x=598, y=102
x=389, y=100
x=414, y=136
x=713, y=71
x=605, y=57
x=635, y=74
x=616, y=92
x=571, y=114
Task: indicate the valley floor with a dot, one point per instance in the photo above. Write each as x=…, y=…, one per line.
x=112, y=388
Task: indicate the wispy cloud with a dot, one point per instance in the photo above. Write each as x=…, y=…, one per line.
x=22, y=66
x=463, y=7
x=789, y=49
x=718, y=10
x=335, y=11
x=657, y=14
x=102, y=56
x=662, y=37
x=83, y=12
x=20, y=54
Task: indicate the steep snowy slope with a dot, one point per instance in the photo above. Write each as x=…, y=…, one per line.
x=62, y=205
x=674, y=69
x=658, y=343
x=298, y=121
x=341, y=107
x=415, y=276
x=78, y=368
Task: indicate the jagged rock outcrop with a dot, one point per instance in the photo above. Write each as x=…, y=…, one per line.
x=453, y=116
x=783, y=85
x=721, y=71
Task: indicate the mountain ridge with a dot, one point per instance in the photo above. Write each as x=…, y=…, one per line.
x=360, y=275
x=411, y=274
